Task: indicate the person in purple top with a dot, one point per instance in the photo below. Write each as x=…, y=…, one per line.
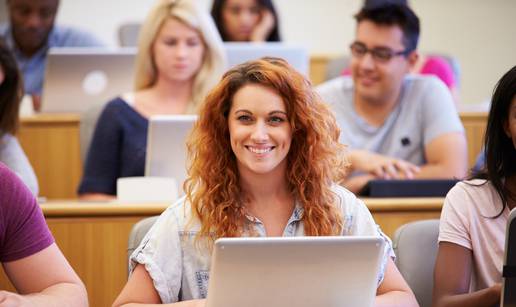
x=30, y=257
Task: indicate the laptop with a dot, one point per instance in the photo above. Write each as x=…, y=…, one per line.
x=296, y=56
x=408, y=188
x=295, y=271
x=78, y=78
x=508, y=298
x=166, y=147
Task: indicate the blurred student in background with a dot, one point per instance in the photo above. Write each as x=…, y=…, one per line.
x=468, y=269
x=180, y=58
x=397, y=125
x=429, y=64
x=31, y=259
x=31, y=32
x=265, y=162
x=246, y=20
x=11, y=92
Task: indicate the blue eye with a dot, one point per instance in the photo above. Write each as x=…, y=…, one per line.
x=276, y=119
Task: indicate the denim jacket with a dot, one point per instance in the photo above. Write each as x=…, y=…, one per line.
x=179, y=267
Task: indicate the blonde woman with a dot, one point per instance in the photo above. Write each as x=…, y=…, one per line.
x=180, y=57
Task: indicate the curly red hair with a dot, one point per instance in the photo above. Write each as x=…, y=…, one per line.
x=315, y=160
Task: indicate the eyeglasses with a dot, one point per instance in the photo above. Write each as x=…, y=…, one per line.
x=380, y=54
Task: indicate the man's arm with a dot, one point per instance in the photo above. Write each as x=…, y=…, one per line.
x=44, y=279
x=376, y=166
x=447, y=157
x=356, y=183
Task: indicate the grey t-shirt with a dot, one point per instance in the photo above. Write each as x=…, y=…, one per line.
x=180, y=269
x=424, y=112
x=12, y=155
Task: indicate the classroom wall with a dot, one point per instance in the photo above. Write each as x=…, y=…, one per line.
x=480, y=33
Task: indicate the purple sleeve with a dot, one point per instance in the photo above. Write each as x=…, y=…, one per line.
x=439, y=67
x=23, y=230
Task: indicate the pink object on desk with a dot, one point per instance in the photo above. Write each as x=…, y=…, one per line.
x=439, y=67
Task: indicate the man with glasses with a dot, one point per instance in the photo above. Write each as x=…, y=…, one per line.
x=396, y=125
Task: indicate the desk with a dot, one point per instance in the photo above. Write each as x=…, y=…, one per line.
x=51, y=142
x=391, y=213
x=93, y=236
x=318, y=67
x=475, y=126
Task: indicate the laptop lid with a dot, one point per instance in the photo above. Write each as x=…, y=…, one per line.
x=166, y=147
x=78, y=78
x=408, y=188
x=295, y=271
x=509, y=269
x=296, y=56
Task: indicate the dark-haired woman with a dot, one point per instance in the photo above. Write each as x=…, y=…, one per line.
x=468, y=269
x=11, y=92
x=246, y=20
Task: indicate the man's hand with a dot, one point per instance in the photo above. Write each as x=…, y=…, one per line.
x=382, y=167
x=36, y=103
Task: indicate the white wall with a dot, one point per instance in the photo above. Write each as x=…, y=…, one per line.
x=480, y=33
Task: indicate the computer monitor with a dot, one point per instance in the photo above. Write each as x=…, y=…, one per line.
x=78, y=78
x=166, y=147
x=295, y=271
x=296, y=56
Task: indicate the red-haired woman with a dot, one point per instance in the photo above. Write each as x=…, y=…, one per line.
x=265, y=162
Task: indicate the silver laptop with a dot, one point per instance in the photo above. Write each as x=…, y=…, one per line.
x=295, y=271
x=296, y=56
x=78, y=78
x=166, y=147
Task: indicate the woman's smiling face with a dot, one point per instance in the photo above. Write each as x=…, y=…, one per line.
x=259, y=128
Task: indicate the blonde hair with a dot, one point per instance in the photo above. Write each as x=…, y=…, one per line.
x=188, y=12
x=315, y=160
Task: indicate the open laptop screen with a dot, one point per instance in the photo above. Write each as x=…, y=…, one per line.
x=79, y=78
x=295, y=271
x=166, y=146
x=296, y=56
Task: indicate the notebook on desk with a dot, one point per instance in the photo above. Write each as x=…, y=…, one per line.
x=296, y=56
x=166, y=147
x=294, y=271
x=408, y=188
x=78, y=78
